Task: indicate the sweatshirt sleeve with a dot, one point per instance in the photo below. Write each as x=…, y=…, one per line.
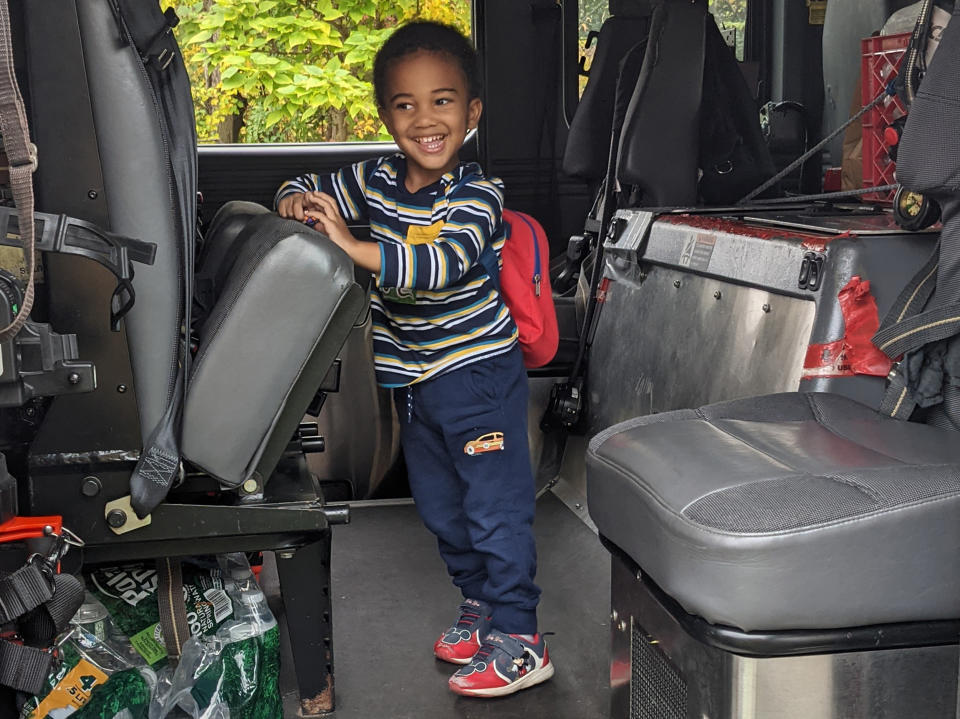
x=347, y=186
x=474, y=217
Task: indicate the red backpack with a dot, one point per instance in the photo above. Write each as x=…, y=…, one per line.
x=524, y=284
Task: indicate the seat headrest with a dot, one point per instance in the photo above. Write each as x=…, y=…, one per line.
x=631, y=8
x=658, y=147
x=588, y=142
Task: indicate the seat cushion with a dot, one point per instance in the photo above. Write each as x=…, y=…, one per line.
x=789, y=511
x=285, y=310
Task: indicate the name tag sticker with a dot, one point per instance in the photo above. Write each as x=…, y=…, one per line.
x=423, y=234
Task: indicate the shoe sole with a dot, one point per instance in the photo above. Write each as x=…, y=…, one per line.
x=528, y=680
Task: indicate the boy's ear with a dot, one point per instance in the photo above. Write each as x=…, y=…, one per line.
x=474, y=110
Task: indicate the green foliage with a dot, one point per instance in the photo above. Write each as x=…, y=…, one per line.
x=591, y=16
x=292, y=70
x=731, y=16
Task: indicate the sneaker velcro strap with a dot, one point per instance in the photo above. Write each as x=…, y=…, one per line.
x=510, y=645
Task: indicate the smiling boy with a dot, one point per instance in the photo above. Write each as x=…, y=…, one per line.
x=446, y=342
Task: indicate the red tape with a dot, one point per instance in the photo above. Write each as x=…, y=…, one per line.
x=853, y=354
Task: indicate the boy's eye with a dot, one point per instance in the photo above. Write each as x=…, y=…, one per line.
x=444, y=100
x=404, y=105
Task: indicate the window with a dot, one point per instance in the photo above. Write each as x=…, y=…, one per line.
x=290, y=70
x=731, y=17
x=592, y=15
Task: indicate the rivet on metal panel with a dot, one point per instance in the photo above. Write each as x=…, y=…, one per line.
x=676, y=283
x=614, y=617
x=717, y=295
x=623, y=625
x=121, y=388
x=766, y=308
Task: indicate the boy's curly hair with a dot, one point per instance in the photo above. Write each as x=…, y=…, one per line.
x=430, y=36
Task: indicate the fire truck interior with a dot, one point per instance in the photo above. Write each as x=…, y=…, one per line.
x=748, y=481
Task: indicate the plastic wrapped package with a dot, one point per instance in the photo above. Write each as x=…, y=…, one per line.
x=96, y=678
x=235, y=672
x=130, y=595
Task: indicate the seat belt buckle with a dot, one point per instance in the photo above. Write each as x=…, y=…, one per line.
x=49, y=562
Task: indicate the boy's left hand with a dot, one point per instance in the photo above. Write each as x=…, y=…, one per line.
x=323, y=209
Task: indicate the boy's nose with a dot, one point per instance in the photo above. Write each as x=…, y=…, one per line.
x=423, y=117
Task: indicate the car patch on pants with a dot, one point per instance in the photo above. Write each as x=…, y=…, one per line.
x=484, y=443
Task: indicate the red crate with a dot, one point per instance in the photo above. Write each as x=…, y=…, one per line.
x=880, y=62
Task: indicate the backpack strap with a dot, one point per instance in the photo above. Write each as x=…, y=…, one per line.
x=488, y=258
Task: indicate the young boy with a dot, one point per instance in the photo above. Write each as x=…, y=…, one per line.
x=444, y=339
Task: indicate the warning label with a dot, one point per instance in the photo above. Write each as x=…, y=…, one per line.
x=697, y=251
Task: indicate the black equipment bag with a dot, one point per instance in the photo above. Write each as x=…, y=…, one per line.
x=924, y=323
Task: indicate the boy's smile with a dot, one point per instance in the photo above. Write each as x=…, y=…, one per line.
x=428, y=112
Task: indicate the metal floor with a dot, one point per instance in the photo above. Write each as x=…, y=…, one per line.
x=392, y=598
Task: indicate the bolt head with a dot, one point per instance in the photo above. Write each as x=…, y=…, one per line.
x=717, y=295
x=73, y=378
x=250, y=486
x=121, y=388
x=93, y=194
x=91, y=487
x=676, y=283
x=116, y=518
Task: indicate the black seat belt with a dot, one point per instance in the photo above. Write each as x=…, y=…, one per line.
x=149, y=33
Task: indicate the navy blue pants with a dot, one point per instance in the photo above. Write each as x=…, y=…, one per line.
x=477, y=498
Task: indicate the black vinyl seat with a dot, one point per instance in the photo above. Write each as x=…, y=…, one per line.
x=789, y=511
x=278, y=299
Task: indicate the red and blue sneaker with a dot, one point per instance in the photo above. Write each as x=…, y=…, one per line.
x=460, y=642
x=504, y=664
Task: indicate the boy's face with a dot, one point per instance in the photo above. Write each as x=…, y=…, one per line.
x=428, y=111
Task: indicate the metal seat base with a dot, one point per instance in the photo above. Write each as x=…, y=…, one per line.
x=660, y=669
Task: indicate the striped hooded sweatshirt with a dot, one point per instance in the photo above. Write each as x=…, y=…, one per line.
x=434, y=307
